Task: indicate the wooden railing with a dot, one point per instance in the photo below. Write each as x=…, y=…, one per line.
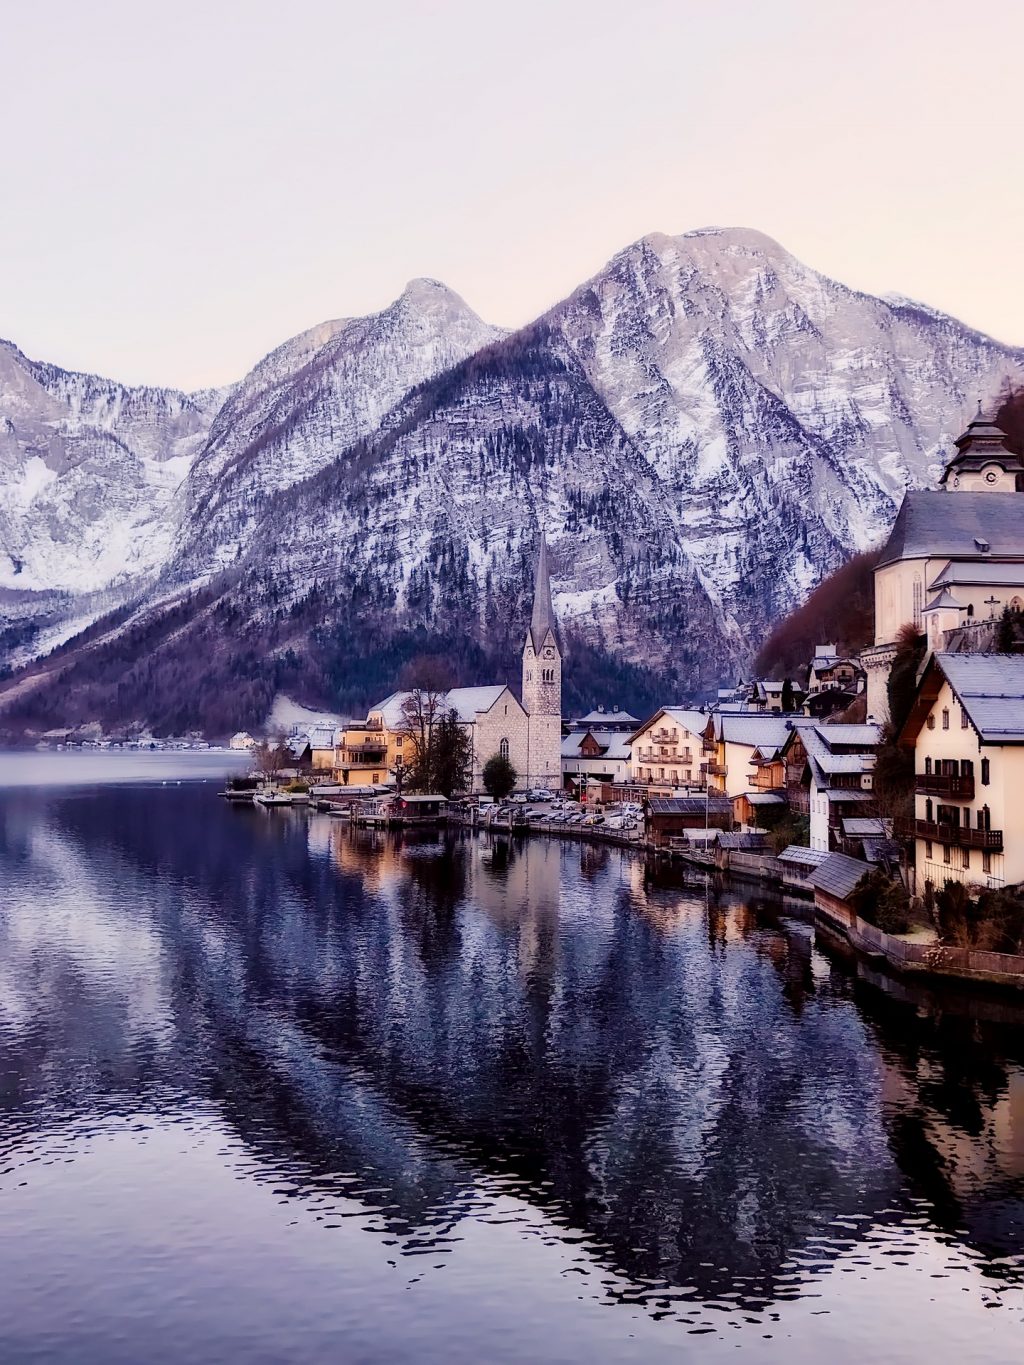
x=945, y=784
x=989, y=839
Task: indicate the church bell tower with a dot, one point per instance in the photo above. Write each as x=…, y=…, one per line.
x=542, y=682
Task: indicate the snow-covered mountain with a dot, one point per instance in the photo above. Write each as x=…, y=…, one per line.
x=88, y=470
x=704, y=429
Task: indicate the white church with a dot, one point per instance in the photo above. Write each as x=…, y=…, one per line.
x=527, y=733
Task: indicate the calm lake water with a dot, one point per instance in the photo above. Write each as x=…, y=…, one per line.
x=276, y=1090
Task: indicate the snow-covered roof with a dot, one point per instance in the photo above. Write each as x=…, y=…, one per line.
x=601, y=717
x=765, y=798
x=799, y=856
x=991, y=690
x=867, y=735
x=468, y=703
x=761, y=732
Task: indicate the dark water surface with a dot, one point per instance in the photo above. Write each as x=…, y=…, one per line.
x=275, y=1090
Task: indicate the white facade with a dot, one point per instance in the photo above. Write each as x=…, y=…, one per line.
x=968, y=735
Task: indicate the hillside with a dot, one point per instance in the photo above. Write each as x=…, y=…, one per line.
x=706, y=429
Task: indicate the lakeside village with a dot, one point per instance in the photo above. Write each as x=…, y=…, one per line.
x=885, y=786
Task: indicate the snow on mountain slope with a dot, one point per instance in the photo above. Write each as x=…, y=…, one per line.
x=88, y=469
x=705, y=428
x=308, y=402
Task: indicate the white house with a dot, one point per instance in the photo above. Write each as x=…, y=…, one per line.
x=966, y=728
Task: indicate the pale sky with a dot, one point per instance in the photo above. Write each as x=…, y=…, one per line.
x=183, y=186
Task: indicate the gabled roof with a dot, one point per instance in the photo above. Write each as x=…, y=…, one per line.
x=614, y=744
x=837, y=875
x=468, y=702
x=943, y=601
x=990, y=688
x=932, y=525
x=760, y=732
x=690, y=719
x=799, y=856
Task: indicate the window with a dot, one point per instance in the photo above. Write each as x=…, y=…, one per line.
x=945, y=854
x=399, y=739
x=931, y=722
x=927, y=767
x=966, y=855
x=963, y=719
x=986, y=862
x=928, y=810
x=503, y=748
x=927, y=848
x=985, y=772
x=376, y=777
x=945, y=718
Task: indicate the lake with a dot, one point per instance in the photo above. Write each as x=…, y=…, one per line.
x=272, y=1089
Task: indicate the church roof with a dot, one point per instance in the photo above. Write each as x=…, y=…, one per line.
x=543, y=617
x=943, y=600
x=933, y=524
x=467, y=702
x=984, y=573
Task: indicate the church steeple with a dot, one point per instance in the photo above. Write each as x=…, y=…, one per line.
x=982, y=463
x=542, y=681
x=543, y=618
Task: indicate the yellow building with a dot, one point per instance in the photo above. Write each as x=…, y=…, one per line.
x=966, y=729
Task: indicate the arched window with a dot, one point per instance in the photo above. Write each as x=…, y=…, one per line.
x=928, y=810
x=985, y=772
x=945, y=718
x=503, y=748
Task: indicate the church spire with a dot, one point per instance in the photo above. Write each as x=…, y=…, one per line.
x=543, y=618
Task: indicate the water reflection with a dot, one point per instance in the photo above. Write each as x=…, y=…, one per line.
x=708, y=1108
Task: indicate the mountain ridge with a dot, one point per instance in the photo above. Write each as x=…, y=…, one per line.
x=706, y=428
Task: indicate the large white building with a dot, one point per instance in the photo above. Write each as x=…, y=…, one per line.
x=954, y=559
x=528, y=734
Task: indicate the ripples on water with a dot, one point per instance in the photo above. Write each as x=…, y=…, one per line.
x=276, y=1089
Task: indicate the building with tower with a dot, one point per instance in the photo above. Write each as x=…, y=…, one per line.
x=542, y=683
x=954, y=558
x=528, y=734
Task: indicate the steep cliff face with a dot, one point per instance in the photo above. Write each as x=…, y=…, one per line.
x=307, y=403
x=704, y=429
x=88, y=470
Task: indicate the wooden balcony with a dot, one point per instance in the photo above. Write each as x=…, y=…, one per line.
x=714, y=769
x=945, y=784
x=991, y=840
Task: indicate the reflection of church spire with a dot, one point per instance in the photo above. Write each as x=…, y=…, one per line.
x=543, y=618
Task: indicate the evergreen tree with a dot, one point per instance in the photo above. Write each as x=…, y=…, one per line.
x=451, y=754
x=500, y=777
x=788, y=699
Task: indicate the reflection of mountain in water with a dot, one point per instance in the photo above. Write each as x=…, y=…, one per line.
x=415, y=1023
